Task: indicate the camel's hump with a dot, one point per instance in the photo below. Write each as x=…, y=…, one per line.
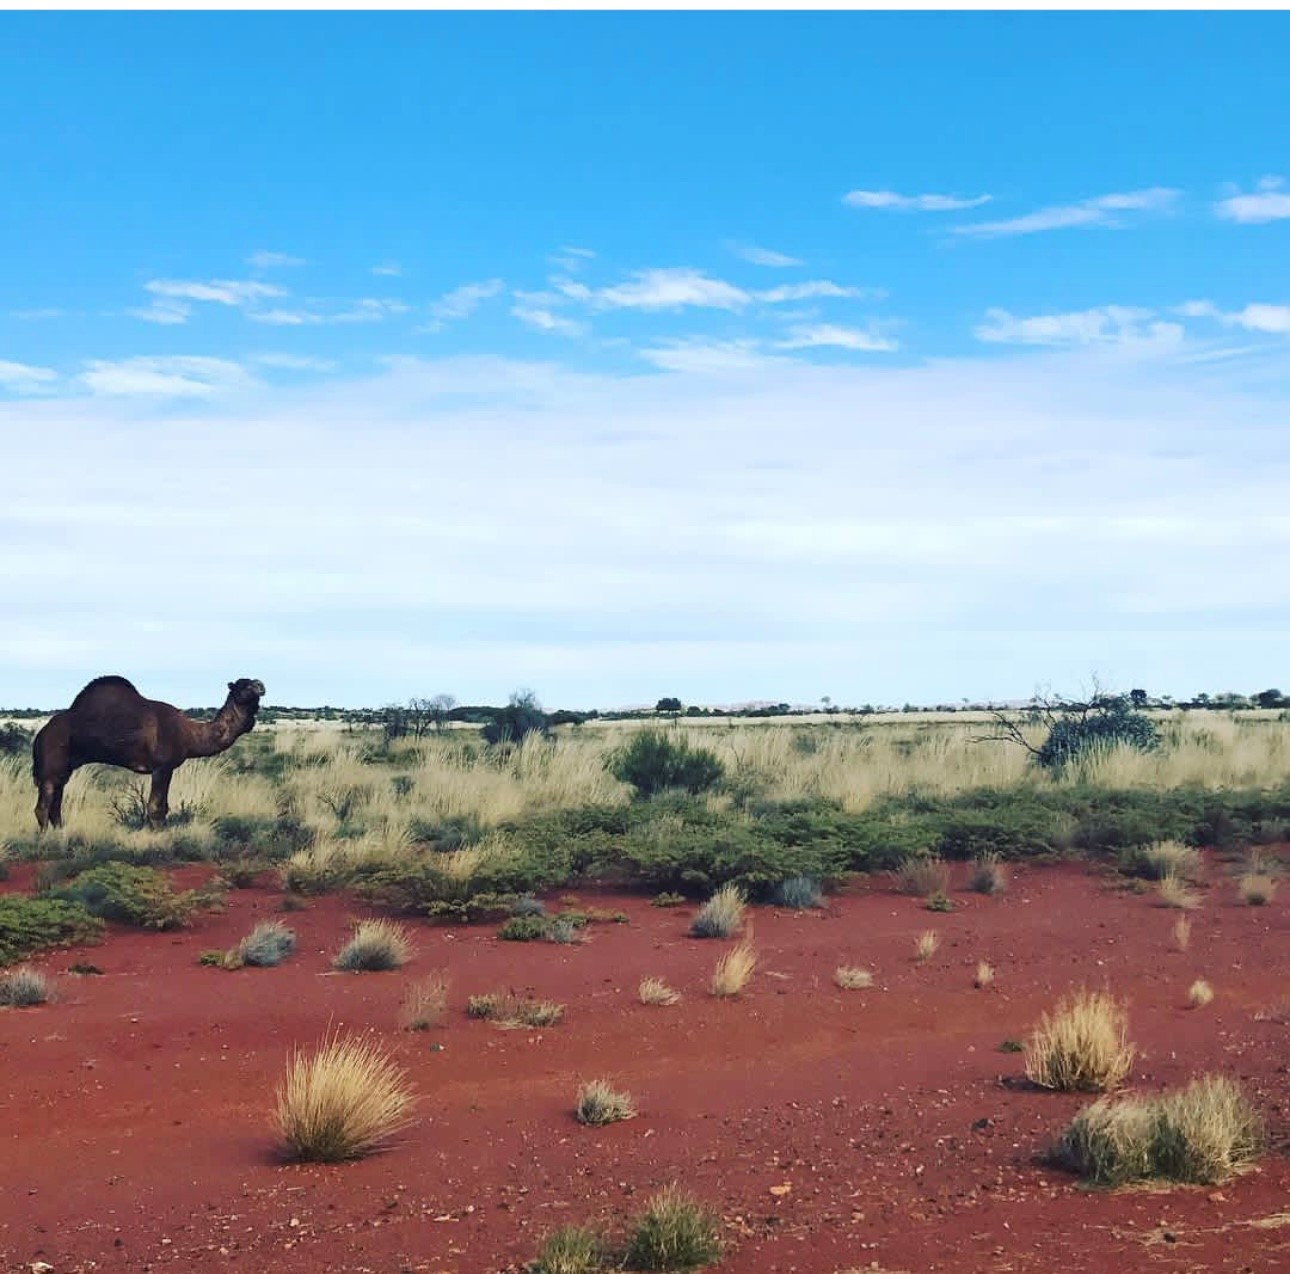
x=102, y=683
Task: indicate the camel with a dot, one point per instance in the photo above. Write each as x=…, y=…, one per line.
x=112, y=723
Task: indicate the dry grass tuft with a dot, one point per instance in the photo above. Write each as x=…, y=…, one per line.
x=511, y=1011
x=656, y=991
x=984, y=975
x=1082, y=1046
x=598, y=1103
x=922, y=875
x=988, y=876
x=376, y=947
x=851, y=977
x=926, y=945
x=266, y=946
x=572, y=1249
x=23, y=988
x=1200, y=994
x=721, y=915
x=1170, y=858
x=1174, y=893
x=1256, y=888
x=1200, y=1135
x=425, y=1002
x=342, y=1102
x=734, y=970
x=675, y=1232
x=1182, y=933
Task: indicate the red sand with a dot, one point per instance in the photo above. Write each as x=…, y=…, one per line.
x=865, y=1130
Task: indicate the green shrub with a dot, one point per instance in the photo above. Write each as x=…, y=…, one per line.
x=30, y=925
x=267, y=945
x=652, y=762
x=675, y=1232
x=528, y=928
x=15, y=740
x=799, y=892
x=572, y=1249
x=268, y=839
x=1082, y=730
x=515, y=722
x=129, y=895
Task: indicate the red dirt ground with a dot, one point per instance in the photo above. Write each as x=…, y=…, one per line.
x=832, y=1130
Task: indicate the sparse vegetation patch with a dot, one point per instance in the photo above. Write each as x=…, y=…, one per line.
x=675, y=1232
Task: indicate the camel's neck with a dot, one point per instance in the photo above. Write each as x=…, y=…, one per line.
x=208, y=738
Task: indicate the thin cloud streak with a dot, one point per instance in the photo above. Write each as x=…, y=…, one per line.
x=1103, y=210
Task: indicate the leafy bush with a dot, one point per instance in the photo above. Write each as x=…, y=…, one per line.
x=130, y=895
x=528, y=928
x=515, y=722
x=1109, y=721
x=29, y=925
x=652, y=762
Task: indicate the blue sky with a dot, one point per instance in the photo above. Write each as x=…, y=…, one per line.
x=888, y=357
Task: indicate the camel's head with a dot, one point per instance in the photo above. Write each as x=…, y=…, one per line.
x=246, y=693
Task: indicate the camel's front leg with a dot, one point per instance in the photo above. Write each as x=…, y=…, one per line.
x=49, y=803
x=159, y=797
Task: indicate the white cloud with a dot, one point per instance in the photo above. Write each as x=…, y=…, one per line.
x=163, y=310
x=272, y=260
x=818, y=288
x=571, y=260
x=829, y=335
x=701, y=356
x=1255, y=317
x=889, y=200
x=661, y=289
x=180, y=376
x=1269, y=202
x=1103, y=210
x=461, y=303
x=763, y=256
x=542, y=319
x=23, y=378
x=1105, y=324
x=390, y=269
x=366, y=310
x=237, y=292
x=296, y=362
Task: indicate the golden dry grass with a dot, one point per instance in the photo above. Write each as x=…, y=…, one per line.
x=1171, y=858
x=425, y=1002
x=926, y=945
x=1173, y=892
x=734, y=970
x=851, y=977
x=1182, y=933
x=600, y=1103
x=343, y=1101
x=1200, y=994
x=1256, y=888
x=513, y=1012
x=984, y=975
x=721, y=915
x=657, y=992
x=1082, y=1045
x=922, y=876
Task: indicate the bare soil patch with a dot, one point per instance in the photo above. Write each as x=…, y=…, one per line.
x=877, y=1129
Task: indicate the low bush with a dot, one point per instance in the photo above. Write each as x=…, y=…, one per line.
x=988, y=876
x=528, y=928
x=267, y=945
x=799, y=892
x=1201, y=1135
x=1173, y=892
x=652, y=762
x=342, y=1102
x=1256, y=889
x=129, y=895
x=506, y=1008
x=675, y=1232
x=1167, y=858
x=922, y=877
x=31, y=925
x=377, y=946
x=1200, y=994
x=1082, y=1046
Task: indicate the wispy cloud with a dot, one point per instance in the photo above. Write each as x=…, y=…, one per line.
x=389, y=269
x=461, y=302
x=178, y=376
x=816, y=289
x=23, y=378
x=542, y=319
x=890, y=201
x=1269, y=202
x=44, y=312
x=368, y=309
x=272, y=260
x=829, y=335
x=701, y=356
x=755, y=255
x=235, y=292
x=670, y=288
x=571, y=260
x=296, y=362
x=163, y=310
x=1103, y=210
x=1102, y=325
x=1256, y=317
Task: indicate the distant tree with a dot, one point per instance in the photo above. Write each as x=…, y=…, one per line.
x=651, y=762
x=1270, y=699
x=668, y=705
x=1138, y=698
x=395, y=722
x=1076, y=728
x=14, y=740
x=521, y=717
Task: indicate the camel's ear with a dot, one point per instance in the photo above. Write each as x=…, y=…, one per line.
x=230, y=685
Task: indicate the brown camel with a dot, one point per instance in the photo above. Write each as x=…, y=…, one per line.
x=112, y=723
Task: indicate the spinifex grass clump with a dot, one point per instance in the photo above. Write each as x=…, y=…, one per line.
x=22, y=988
x=1200, y=994
x=720, y=916
x=342, y=1102
x=1169, y=858
x=507, y=1009
x=600, y=1103
x=675, y=1232
x=1256, y=888
x=799, y=892
x=656, y=991
x=925, y=945
x=572, y=1249
x=989, y=876
x=1082, y=1046
x=922, y=876
x=852, y=978
x=734, y=970
x=425, y=1002
x=1201, y=1135
x=268, y=944
x=376, y=947
x=1175, y=893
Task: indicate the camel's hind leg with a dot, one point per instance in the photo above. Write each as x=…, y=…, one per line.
x=49, y=802
x=159, y=798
